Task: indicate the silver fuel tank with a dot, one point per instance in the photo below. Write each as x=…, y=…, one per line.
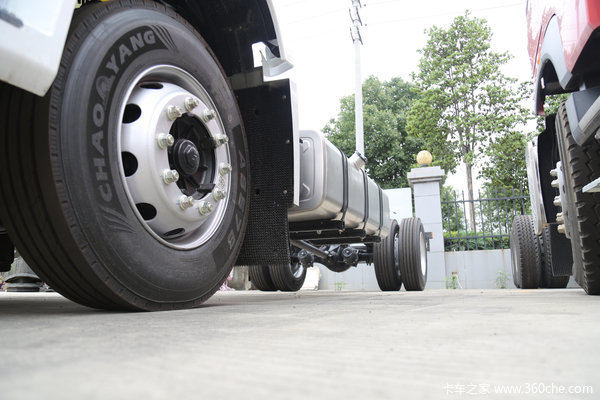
x=332, y=188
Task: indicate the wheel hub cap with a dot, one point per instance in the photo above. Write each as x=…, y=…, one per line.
x=172, y=183
x=186, y=157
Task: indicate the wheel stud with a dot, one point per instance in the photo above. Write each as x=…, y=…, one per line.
x=221, y=139
x=174, y=112
x=186, y=202
x=170, y=176
x=225, y=168
x=205, y=208
x=165, y=140
x=557, y=201
x=219, y=194
x=209, y=115
x=191, y=103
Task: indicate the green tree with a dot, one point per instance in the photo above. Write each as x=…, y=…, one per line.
x=464, y=98
x=504, y=165
x=388, y=148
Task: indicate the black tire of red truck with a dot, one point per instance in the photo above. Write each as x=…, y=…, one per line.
x=525, y=253
x=547, y=278
x=581, y=165
x=77, y=179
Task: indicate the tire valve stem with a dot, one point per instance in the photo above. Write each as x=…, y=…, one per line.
x=219, y=194
x=205, y=208
x=221, y=139
x=170, y=176
x=209, y=114
x=186, y=202
x=191, y=103
x=225, y=168
x=165, y=140
x=174, y=112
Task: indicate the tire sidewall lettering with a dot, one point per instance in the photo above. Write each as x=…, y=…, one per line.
x=121, y=55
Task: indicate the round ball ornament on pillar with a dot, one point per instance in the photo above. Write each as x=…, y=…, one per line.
x=424, y=158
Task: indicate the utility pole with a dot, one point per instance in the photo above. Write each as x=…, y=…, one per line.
x=358, y=95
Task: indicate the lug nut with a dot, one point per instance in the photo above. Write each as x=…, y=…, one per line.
x=225, y=168
x=560, y=218
x=555, y=183
x=165, y=140
x=205, y=208
x=209, y=115
x=186, y=202
x=191, y=103
x=170, y=176
x=219, y=194
x=561, y=229
x=557, y=201
x=174, y=112
x=221, y=139
x=554, y=173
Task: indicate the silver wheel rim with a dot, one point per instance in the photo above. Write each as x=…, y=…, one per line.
x=423, y=249
x=297, y=269
x=175, y=211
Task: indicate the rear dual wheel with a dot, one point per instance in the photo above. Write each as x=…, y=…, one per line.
x=125, y=187
x=287, y=278
x=547, y=278
x=402, y=257
x=525, y=253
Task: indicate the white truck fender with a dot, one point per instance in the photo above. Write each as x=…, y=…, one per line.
x=33, y=36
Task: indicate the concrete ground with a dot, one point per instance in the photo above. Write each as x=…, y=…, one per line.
x=310, y=345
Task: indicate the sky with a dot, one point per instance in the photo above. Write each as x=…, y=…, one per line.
x=317, y=35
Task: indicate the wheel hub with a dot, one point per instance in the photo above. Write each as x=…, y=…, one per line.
x=186, y=157
x=176, y=162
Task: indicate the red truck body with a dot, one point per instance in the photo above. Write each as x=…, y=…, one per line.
x=577, y=20
x=563, y=161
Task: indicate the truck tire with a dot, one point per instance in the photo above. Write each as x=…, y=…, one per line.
x=547, y=279
x=581, y=165
x=386, y=260
x=260, y=277
x=413, y=254
x=85, y=196
x=525, y=252
x=288, y=278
